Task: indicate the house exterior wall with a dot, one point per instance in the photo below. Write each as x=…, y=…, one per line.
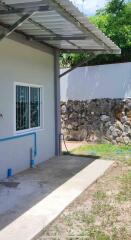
x=20, y=63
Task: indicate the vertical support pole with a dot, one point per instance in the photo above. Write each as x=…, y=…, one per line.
x=32, y=161
x=57, y=104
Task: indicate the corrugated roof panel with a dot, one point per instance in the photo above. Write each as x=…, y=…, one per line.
x=86, y=43
x=9, y=19
x=62, y=45
x=60, y=19
x=19, y=1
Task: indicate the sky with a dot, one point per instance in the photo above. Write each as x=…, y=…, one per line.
x=89, y=7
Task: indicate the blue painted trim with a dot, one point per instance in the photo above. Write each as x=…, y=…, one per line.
x=9, y=173
x=32, y=163
x=21, y=136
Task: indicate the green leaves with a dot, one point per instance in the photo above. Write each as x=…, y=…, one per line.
x=115, y=6
x=115, y=21
x=68, y=60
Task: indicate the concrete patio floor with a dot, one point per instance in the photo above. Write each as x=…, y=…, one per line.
x=35, y=184
x=31, y=200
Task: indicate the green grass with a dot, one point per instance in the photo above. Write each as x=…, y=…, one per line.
x=106, y=151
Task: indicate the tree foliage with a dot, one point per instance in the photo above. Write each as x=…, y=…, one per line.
x=71, y=59
x=115, y=21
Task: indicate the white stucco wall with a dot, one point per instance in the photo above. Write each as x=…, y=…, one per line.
x=102, y=81
x=20, y=63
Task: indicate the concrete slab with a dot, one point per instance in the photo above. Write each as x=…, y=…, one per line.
x=44, y=211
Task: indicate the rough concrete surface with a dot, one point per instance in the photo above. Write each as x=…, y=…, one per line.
x=43, y=193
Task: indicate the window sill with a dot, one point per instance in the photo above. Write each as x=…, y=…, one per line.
x=28, y=131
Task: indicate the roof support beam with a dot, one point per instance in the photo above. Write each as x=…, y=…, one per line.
x=10, y=7
x=28, y=39
x=94, y=50
x=31, y=41
x=41, y=26
x=29, y=4
x=23, y=10
x=20, y=38
x=92, y=56
x=37, y=24
x=97, y=50
x=15, y=25
x=60, y=38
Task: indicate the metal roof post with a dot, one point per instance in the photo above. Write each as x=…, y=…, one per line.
x=57, y=104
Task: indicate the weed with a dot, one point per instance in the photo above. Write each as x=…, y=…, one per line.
x=99, y=195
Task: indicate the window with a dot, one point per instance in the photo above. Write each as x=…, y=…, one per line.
x=28, y=107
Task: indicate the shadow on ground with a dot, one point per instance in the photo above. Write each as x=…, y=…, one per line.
x=20, y=193
x=94, y=157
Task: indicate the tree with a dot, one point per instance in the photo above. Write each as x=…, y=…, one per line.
x=115, y=21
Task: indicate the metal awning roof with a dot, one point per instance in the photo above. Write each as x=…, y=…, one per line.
x=56, y=23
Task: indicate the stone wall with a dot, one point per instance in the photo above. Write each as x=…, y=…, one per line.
x=97, y=120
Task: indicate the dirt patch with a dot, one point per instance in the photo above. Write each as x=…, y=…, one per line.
x=102, y=212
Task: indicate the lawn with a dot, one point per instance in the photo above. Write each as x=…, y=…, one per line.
x=103, y=211
x=106, y=151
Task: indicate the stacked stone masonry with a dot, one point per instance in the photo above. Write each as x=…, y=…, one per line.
x=97, y=120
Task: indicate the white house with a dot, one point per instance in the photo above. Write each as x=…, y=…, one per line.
x=32, y=34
